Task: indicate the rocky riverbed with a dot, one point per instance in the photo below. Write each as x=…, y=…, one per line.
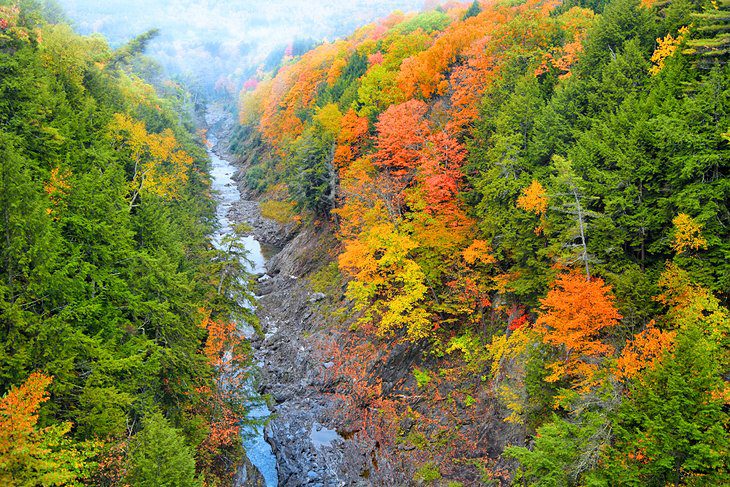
x=302, y=432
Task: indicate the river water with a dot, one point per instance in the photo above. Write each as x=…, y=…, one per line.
x=257, y=449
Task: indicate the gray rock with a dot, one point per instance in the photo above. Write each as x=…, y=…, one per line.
x=282, y=395
x=290, y=369
x=316, y=297
x=248, y=475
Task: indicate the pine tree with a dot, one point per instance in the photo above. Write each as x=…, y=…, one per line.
x=711, y=44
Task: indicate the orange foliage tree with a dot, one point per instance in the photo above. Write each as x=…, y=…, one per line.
x=352, y=139
x=574, y=315
x=402, y=131
x=221, y=402
x=401, y=214
x=293, y=91
x=30, y=455
x=644, y=350
x=437, y=218
x=534, y=199
x=486, y=42
x=19, y=416
x=574, y=23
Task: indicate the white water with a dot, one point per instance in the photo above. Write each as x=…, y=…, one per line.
x=227, y=194
x=257, y=449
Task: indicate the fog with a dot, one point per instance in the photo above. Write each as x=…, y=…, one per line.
x=223, y=42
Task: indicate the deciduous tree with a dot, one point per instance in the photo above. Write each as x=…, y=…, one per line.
x=575, y=315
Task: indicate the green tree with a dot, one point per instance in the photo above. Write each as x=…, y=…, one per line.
x=106, y=300
x=563, y=450
x=473, y=10
x=159, y=456
x=313, y=177
x=621, y=21
x=126, y=54
x=27, y=256
x=672, y=426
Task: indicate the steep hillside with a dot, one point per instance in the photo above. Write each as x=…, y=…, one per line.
x=116, y=312
x=530, y=204
x=498, y=241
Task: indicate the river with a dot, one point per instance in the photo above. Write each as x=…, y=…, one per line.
x=259, y=452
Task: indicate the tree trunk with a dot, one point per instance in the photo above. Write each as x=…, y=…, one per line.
x=581, y=226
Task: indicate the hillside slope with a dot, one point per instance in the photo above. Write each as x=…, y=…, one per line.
x=116, y=311
x=530, y=200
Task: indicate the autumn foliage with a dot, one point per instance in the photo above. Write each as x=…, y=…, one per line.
x=472, y=158
x=107, y=222
x=29, y=453
x=418, y=270
x=19, y=413
x=687, y=234
x=644, y=350
x=533, y=198
x=575, y=315
x=158, y=164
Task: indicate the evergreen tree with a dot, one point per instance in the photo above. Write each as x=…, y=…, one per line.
x=159, y=456
x=102, y=291
x=473, y=10
x=672, y=425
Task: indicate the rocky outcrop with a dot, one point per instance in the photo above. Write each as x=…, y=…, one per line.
x=248, y=475
x=268, y=232
x=308, y=449
x=302, y=432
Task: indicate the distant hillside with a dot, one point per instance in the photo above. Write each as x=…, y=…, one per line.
x=211, y=42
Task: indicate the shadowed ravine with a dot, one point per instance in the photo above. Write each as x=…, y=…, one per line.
x=290, y=366
x=258, y=450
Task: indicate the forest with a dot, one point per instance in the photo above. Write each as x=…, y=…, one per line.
x=114, y=312
x=530, y=197
x=528, y=201
x=216, y=45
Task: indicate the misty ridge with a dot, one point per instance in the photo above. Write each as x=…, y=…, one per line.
x=216, y=45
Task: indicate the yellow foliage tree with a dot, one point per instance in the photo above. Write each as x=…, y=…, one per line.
x=57, y=188
x=509, y=355
x=665, y=48
x=388, y=284
x=687, y=234
x=689, y=303
x=160, y=167
x=30, y=455
x=329, y=118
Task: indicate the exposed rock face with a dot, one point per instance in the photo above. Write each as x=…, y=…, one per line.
x=266, y=231
x=308, y=449
x=248, y=476
x=293, y=363
x=302, y=433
